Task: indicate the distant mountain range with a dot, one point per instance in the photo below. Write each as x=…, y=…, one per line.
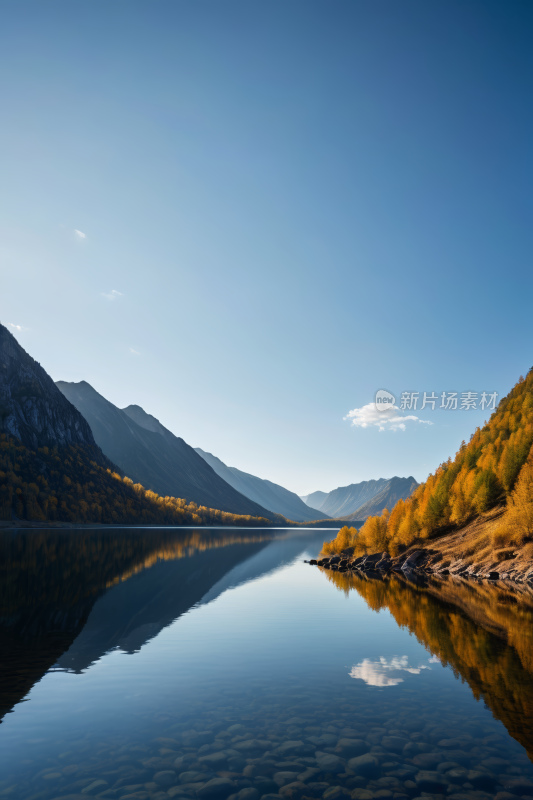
x=270, y=495
x=51, y=468
x=315, y=499
x=150, y=454
x=99, y=444
x=361, y=500
x=388, y=495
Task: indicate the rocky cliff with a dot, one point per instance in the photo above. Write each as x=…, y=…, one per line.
x=31, y=407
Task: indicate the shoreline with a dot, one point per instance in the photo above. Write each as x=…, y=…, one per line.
x=466, y=552
x=36, y=525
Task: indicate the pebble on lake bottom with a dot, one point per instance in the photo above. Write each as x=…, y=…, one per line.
x=292, y=746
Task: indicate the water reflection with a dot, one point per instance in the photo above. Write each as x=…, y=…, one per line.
x=378, y=673
x=212, y=664
x=68, y=597
x=483, y=632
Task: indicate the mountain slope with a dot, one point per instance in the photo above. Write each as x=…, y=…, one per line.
x=269, y=495
x=315, y=499
x=388, y=495
x=31, y=407
x=51, y=468
x=151, y=455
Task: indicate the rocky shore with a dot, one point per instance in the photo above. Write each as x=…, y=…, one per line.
x=430, y=561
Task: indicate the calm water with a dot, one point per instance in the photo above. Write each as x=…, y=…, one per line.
x=209, y=663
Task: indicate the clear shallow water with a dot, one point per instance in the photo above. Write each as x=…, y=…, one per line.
x=129, y=658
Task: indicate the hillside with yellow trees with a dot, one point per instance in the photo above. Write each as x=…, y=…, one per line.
x=494, y=470
x=66, y=484
x=52, y=469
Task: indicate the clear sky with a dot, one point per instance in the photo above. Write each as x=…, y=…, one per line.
x=247, y=217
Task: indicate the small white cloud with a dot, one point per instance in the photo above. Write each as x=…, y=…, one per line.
x=17, y=327
x=80, y=234
x=378, y=673
x=136, y=352
x=113, y=294
x=434, y=660
x=389, y=420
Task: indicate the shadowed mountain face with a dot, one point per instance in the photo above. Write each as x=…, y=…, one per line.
x=361, y=500
x=484, y=632
x=151, y=455
x=32, y=408
x=269, y=495
x=68, y=597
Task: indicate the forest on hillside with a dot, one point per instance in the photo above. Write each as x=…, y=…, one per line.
x=495, y=467
x=67, y=485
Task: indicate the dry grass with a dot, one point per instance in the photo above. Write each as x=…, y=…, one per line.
x=506, y=554
x=478, y=543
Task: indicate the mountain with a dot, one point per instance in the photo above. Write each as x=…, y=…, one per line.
x=151, y=455
x=52, y=469
x=315, y=499
x=388, y=495
x=269, y=495
x=359, y=500
x=347, y=499
x=31, y=407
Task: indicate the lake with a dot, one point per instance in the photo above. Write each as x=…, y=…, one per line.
x=206, y=664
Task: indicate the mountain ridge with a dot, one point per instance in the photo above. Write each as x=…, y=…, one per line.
x=359, y=500
x=314, y=500
x=32, y=409
x=270, y=495
x=150, y=454
x=388, y=495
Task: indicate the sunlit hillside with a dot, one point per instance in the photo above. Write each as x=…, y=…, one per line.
x=495, y=467
x=67, y=485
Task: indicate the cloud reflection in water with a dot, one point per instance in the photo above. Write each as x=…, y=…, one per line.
x=378, y=673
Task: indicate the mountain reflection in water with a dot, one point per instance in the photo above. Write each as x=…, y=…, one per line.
x=153, y=662
x=483, y=632
x=56, y=607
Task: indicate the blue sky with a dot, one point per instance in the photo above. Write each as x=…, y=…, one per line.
x=284, y=207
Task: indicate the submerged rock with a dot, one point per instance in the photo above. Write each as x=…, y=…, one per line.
x=348, y=748
x=216, y=788
x=293, y=791
x=327, y=762
x=367, y=766
x=429, y=781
